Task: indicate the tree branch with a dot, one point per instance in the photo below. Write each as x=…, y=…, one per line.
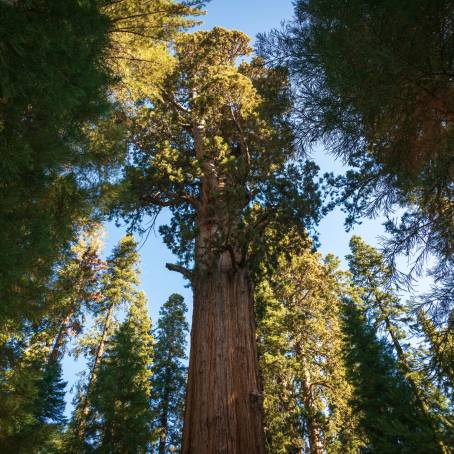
x=188, y=274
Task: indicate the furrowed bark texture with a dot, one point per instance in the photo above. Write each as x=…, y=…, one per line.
x=223, y=403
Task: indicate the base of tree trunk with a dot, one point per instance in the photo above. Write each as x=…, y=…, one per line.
x=224, y=401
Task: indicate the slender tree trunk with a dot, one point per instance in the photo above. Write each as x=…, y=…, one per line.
x=60, y=338
x=416, y=391
x=315, y=441
x=84, y=407
x=223, y=403
x=163, y=434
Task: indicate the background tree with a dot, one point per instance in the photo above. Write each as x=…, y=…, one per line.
x=374, y=82
x=118, y=288
x=63, y=130
x=213, y=146
x=390, y=418
x=385, y=310
x=120, y=398
x=32, y=391
x=32, y=396
x=168, y=382
x=300, y=349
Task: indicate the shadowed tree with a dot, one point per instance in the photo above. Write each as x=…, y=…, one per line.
x=389, y=415
x=168, y=382
x=120, y=421
x=374, y=82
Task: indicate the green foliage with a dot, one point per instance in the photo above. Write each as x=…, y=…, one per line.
x=120, y=400
x=215, y=140
x=373, y=80
x=441, y=348
x=389, y=416
x=33, y=402
x=169, y=374
x=52, y=83
x=300, y=349
x=384, y=309
x=117, y=289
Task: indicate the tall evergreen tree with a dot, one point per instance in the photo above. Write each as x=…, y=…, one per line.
x=46, y=99
x=169, y=374
x=118, y=288
x=386, y=312
x=120, y=421
x=213, y=144
x=32, y=401
x=300, y=348
x=390, y=418
x=373, y=80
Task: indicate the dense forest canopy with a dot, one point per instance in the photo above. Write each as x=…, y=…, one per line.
x=119, y=110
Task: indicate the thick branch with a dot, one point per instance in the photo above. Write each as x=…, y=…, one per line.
x=188, y=274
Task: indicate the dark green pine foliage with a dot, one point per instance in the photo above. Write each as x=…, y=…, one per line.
x=169, y=374
x=389, y=416
x=120, y=420
x=38, y=422
x=52, y=83
x=374, y=81
x=50, y=401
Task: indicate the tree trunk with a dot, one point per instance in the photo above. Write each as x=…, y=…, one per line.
x=313, y=425
x=56, y=352
x=223, y=403
x=85, y=402
x=163, y=434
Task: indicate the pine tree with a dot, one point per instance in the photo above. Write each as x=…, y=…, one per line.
x=386, y=312
x=33, y=402
x=441, y=347
x=373, y=81
x=75, y=289
x=389, y=415
x=46, y=100
x=120, y=420
x=169, y=374
x=118, y=288
x=213, y=145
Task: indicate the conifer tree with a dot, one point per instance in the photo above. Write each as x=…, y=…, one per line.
x=390, y=418
x=373, y=81
x=63, y=129
x=300, y=350
x=46, y=100
x=118, y=288
x=76, y=289
x=120, y=421
x=32, y=390
x=441, y=348
x=213, y=145
x=169, y=374
x=386, y=312
x=33, y=401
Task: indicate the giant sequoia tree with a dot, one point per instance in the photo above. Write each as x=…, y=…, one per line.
x=212, y=144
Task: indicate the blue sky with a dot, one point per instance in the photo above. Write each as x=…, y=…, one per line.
x=251, y=17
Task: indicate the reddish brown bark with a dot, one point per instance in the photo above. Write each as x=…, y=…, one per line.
x=223, y=403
